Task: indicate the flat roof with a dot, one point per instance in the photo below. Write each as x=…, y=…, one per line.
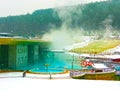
x=13, y=41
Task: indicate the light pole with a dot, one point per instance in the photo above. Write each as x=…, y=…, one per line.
x=46, y=65
x=73, y=61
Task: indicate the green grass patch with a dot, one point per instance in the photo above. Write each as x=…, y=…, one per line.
x=97, y=46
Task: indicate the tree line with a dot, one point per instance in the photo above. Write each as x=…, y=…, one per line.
x=93, y=16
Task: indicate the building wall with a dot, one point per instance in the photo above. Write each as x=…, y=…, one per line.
x=36, y=53
x=12, y=57
x=4, y=56
x=18, y=56
x=33, y=54
x=30, y=55
x=21, y=56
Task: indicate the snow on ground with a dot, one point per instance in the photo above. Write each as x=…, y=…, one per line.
x=30, y=83
x=77, y=45
x=112, y=50
x=56, y=84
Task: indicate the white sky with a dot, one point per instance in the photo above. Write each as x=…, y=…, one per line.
x=18, y=7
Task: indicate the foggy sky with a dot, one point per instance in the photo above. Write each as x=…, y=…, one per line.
x=18, y=7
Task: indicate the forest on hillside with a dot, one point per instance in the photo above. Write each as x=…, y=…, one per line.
x=90, y=17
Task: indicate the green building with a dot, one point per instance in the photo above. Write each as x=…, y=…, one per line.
x=19, y=53
x=17, y=56
x=4, y=56
x=33, y=54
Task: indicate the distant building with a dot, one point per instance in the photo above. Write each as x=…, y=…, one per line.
x=6, y=35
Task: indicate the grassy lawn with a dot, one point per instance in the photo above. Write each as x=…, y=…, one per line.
x=97, y=46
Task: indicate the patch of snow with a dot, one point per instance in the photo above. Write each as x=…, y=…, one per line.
x=99, y=65
x=56, y=84
x=77, y=45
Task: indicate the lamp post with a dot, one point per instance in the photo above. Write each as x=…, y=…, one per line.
x=72, y=65
x=73, y=60
x=46, y=65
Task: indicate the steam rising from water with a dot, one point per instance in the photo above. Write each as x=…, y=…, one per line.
x=65, y=36
x=108, y=27
x=66, y=15
x=61, y=38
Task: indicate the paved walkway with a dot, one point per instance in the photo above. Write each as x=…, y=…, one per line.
x=30, y=75
x=49, y=76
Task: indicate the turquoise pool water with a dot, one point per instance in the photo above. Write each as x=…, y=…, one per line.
x=57, y=62
x=117, y=68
